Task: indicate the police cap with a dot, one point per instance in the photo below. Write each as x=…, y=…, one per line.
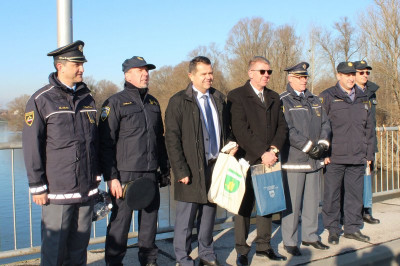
x=136, y=61
x=71, y=52
x=361, y=65
x=298, y=70
x=346, y=68
x=139, y=193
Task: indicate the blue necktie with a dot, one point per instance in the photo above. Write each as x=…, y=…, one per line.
x=210, y=126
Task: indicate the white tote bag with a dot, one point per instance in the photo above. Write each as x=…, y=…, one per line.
x=228, y=182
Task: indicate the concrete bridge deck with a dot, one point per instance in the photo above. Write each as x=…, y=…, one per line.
x=383, y=249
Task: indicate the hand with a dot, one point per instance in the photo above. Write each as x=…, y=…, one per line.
x=40, y=199
x=269, y=158
x=184, y=180
x=234, y=150
x=115, y=188
x=369, y=163
x=164, y=179
x=327, y=160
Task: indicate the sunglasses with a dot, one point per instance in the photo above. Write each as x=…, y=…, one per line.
x=262, y=71
x=362, y=72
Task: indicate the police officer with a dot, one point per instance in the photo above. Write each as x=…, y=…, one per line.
x=59, y=143
x=302, y=158
x=132, y=147
x=352, y=147
x=370, y=88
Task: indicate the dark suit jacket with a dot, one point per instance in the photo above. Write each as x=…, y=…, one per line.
x=185, y=143
x=256, y=126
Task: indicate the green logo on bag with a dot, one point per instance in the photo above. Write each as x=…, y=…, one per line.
x=231, y=183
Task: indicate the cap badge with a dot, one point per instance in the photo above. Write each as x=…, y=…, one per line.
x=140, y=58
x=362, y=62
x=80, y=47
x=350, y=64
x=304, y=66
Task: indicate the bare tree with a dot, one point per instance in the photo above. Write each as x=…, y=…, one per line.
x=101, y=91
x=381, y=25
x=15, y=116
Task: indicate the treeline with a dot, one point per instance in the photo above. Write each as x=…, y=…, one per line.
x=374, y=37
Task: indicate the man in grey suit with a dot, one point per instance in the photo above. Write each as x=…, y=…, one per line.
x=303, y=159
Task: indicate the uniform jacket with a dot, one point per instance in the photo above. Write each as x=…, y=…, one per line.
x=255, y=125
x=370, y=90
x=352, y=126
x=185, y=143
x=131, y=134
x=60, y=143
x=308, y=125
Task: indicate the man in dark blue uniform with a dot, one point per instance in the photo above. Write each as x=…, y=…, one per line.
x=352, y=148
x=60, y=151
x=303, y=159
x=132, y=147
x=370, y=88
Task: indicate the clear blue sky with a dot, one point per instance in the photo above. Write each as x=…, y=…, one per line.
x=162, y=31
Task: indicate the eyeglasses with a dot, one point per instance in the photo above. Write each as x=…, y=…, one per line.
x=362, y=72
x=262, y=71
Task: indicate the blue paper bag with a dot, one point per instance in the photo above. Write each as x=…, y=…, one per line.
x=367, y=195
x=268, y=188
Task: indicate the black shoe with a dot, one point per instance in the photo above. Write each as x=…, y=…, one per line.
x=209, y=263
x=270, y=254
x=369, y=219
x=333, y=238
x=357, y=236
x=316, y=244
x=242, y=260
x=292, y=250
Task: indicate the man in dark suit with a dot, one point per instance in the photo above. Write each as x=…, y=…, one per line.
x=260, y=130
x=197, y=126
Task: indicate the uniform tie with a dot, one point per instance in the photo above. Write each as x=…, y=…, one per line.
x=210, y=126
x=260, y=95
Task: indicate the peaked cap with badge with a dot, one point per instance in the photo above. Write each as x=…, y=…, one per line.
x=136, y=61
x=346, y=68
x=361, y=65
x=72, y=52
x=298, y=70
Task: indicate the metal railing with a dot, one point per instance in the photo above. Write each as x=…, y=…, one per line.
x=386, y=180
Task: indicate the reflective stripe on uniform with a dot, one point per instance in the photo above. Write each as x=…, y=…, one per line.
x=324, y=142
x=307, y=147
x=59, y=112
x=71, y=195
x=35, y=190
x=291, y=166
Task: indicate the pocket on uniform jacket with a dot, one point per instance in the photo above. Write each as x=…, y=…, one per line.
x=339, y=149
x=132, y=116
x=61, y=169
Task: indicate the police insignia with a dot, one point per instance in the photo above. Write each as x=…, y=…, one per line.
x=29, y=117
x=80, y=47
x=140, y=58
x=304, y=66
x=362, y=62
x=105, y=111
x=321, y=99
x=350, y=64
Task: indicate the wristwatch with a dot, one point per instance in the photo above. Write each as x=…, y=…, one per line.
x=274, y=150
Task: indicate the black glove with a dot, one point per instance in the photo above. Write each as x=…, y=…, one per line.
x=316, y=151
x=164, y=178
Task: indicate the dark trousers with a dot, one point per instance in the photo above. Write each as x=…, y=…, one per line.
x=65, y=233
x=185, y=215
x=352, y=177
x=120, y=221
x=242, y=223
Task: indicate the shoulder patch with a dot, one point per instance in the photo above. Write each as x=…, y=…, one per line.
x=105, y=111
x=29, y=117
x=153, y=102
x=321, y=99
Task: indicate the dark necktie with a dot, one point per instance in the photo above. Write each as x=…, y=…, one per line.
x=260, y=95
x=210, y=126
